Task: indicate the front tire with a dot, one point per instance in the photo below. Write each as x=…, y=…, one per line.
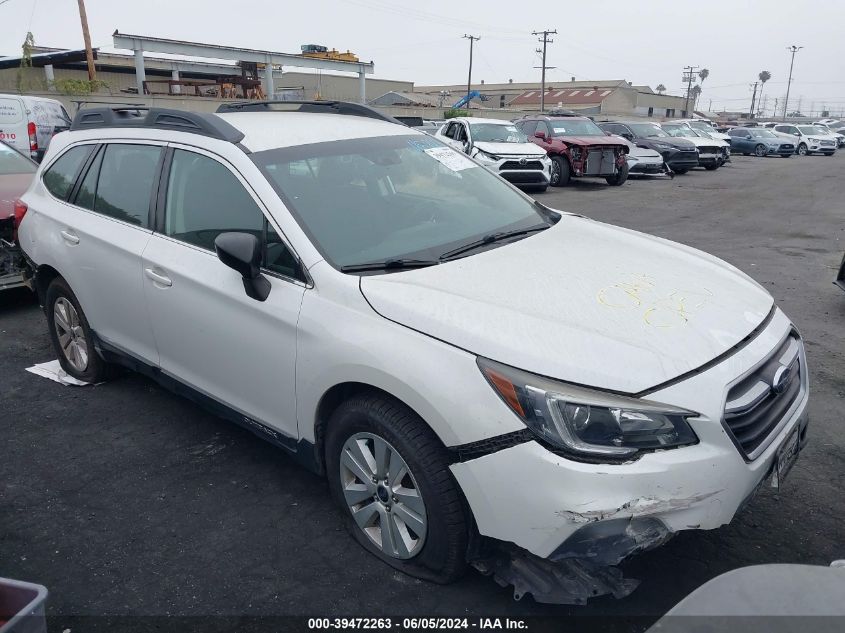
x=561, y=172
x=390, y=474
x=712, y=167
x=71, y=334
x=619, y=178
x=760, y=151
x=802, y=150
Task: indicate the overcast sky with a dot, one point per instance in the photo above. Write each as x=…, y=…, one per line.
x=643, y=41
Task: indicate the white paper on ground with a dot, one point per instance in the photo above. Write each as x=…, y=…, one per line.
x=53, y=370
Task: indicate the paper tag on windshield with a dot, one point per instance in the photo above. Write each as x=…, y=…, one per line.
x=450, y=158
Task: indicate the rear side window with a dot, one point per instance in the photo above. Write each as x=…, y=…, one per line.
x=125, y=182
x=62, y=174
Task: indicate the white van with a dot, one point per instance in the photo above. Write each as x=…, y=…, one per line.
x=28, y=123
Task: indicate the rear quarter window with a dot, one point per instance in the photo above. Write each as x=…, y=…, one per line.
x=61, y=175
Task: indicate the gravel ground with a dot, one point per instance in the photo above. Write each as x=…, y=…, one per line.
x=126, y=500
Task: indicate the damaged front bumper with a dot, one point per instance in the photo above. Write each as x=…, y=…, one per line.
x=566, y=512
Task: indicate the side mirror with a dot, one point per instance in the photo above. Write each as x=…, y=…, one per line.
x=242, y=253
x=628, y=136
x=606, y=133
x=541, y=135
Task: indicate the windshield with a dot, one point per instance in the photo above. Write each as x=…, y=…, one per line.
x=575, y=127
x=762, y=134
x=701, y=125
x=13, y=163
x=679, y=131
x=392, y=197
x=647, y=130
x=810, y=129
x=496, y=133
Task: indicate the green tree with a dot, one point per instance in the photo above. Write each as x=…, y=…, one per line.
x=26, y=61
x=764, y=76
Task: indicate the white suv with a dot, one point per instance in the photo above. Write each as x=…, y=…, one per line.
x=458, y=359
x=502, y=148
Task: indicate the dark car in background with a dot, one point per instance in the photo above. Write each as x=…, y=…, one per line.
x=679, y=154
x=578, y=148
x=16, y=174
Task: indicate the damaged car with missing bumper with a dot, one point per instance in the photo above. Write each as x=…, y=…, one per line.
x=482, y=380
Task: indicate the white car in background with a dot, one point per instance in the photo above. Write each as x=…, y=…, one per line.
x=840, y=138
x=501, y=148
x=711, y=152
x=702, y=125
x=809, y=139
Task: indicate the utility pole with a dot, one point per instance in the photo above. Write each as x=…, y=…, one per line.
x=472, y=39
x=689, y=77
x=545, y=42
x=86, y=36
x=793, y=49
x=753, y=100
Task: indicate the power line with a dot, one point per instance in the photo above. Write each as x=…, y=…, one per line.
x=545, y=40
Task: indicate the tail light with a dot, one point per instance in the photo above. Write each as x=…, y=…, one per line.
x=33, y=137
x=20, y=211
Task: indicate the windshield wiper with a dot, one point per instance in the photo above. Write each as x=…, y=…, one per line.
x=389, y=264
x=489, y=239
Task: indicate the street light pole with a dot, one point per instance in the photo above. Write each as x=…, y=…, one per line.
x=793, y=49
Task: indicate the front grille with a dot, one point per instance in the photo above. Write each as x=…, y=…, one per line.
x=515, y=164
x=827, y=143
x=708, y=150
x=787, y=146
x=759, y=402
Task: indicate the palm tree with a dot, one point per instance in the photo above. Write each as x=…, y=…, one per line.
x=660, y=89
x=703, y=74
x=764, y=76
x=695, y=93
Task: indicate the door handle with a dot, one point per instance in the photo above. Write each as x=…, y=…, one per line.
x=69, y=237
x=157, y=278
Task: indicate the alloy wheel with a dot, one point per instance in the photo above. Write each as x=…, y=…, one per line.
x=760, y=150
x=555, y=177
x=70, y=334
x=382, y=495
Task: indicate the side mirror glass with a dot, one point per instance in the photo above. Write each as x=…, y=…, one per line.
x=242, y=253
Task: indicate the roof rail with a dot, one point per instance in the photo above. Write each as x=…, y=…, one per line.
x=201, y=123
x=325, y=107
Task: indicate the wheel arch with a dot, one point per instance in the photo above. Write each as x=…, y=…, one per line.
x=44, y=276
x=334, y=397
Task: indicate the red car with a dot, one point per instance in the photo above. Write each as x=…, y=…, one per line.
x=16, y=173
x=578, y=148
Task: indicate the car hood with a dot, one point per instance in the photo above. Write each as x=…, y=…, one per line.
x=678, y=143
x=589, y=140
x=12, y=186
x=704, y=142
x=584, y=302
x=510, y=149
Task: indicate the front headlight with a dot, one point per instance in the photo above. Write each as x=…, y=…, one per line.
x=661, y=147
x=813, y=140
x=588, y=422
x=484, y=157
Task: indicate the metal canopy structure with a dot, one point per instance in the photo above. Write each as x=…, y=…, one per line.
x=46, y=59
x=141, y=44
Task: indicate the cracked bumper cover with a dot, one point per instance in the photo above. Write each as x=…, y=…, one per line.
x=557, y=508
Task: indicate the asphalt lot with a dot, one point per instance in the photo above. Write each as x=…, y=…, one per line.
x=126, y=500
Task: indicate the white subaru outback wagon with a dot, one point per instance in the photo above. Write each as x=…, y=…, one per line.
x=464, y=364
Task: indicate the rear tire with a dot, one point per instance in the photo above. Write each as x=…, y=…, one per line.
x=619, y=178
x=355, y=429
x=561, y=172
x=71, y=334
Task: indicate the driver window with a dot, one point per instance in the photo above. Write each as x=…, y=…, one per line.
x=205, y=199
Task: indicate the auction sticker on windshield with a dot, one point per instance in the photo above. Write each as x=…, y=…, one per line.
x=450, y=158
